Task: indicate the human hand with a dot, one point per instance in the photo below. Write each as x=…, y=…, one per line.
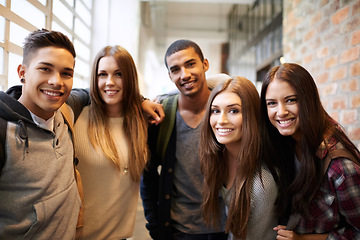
x=283, y=234
x=154, y=111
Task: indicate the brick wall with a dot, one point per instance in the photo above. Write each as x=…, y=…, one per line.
x=324, y=37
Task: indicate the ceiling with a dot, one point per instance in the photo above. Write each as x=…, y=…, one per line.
x=171, y=19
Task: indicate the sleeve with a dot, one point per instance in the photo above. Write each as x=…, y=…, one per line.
x=78, y=99
x=347, y=188
x=149, y=186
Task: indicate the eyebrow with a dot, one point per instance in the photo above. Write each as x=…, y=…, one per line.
x=270, y=99
x=190, y=60
x=230, y=105
x=51, y=65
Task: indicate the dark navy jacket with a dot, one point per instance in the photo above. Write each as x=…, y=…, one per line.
x=156, y=189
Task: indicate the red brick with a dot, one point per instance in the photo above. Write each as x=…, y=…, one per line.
x=307, y=59
x=355, y=39
x=339, y=74
x=334, y=115
x=323, y=52
x=304, y=50
x=348, y=116
x=328, y=89
x=331, y=62
x=355, y=69
x=355, y=102
x=350, y=86
x=324, y=2
x=332, y=34
x=356, y=8
x=340, y=16
x=339, y=103
x=354, y=133
x=309, y=35
x=350, y=55
x=322, y=78
x=315, y=19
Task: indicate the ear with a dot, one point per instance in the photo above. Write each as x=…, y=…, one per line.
x=21, y=71
x=206, y=64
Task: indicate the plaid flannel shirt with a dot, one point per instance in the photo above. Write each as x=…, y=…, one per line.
x=335, y=208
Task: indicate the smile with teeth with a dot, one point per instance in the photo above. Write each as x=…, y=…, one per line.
x=284, y=122
x=52, y=94
x=224, y=130
x=111, y=92
x=188, y=84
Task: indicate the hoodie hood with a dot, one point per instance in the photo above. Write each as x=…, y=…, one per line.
x=10, y=108
x=13, y=111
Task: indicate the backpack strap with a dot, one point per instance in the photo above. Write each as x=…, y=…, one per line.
x=336, y=153
x=333, y=154
x=69, y=120
x=170, y=106
x=3, y=125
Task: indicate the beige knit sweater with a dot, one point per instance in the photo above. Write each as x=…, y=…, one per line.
x=110, y=195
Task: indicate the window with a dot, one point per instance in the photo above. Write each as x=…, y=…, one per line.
x=20, y=17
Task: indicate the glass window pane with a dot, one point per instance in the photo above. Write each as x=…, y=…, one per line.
x=14, y=61
x=83, y=12
x=27, y=11
x=88, y=3
x=82, y=68
x=2, y=2
x=2, y=29
x=82, y=31
x=63, y=13
x=81, y=50
x=80, y=83
x=70, y=2
x=1, y=61
x=57, y=27
x=43, y=2
x=17, y=34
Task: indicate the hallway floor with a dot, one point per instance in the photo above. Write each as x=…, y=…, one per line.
x=140, y=231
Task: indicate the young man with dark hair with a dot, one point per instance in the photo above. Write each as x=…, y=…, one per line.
x=172, y=199
x=39, y=198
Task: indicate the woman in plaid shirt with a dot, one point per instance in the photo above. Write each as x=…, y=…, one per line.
x=322, y=200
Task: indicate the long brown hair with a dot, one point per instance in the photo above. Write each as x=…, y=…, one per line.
x=314, y=123
x=213, y=166
x=135, y=127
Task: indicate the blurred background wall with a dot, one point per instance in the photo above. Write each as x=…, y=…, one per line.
x=238, y=37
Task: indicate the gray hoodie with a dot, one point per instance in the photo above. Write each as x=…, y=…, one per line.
x=38, y=192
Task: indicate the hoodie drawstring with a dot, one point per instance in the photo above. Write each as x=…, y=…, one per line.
x=23, y=133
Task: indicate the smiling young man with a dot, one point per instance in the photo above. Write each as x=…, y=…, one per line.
x=39, y=198
x=172, y=199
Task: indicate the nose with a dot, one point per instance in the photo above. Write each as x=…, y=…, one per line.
x=56, y=80
x=185, y=74
x=223, y=118
x=110, y=81
x=282, y=111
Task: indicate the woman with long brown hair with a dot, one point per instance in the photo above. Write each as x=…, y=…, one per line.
x=229, y=153
x=111, y=144
x=319, y=175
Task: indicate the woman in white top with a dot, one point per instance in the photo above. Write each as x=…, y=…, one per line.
x=110, y=141
x=229, y=153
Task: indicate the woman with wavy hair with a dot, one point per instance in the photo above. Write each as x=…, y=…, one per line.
x=317, y=163
x=229, y=153
x=111, y=135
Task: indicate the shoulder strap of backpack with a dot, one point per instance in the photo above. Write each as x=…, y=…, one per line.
x=68, y=118
x=3, y=124
x=336, y=153
x=170, y=106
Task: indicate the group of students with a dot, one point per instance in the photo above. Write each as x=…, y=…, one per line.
x=234, y=165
